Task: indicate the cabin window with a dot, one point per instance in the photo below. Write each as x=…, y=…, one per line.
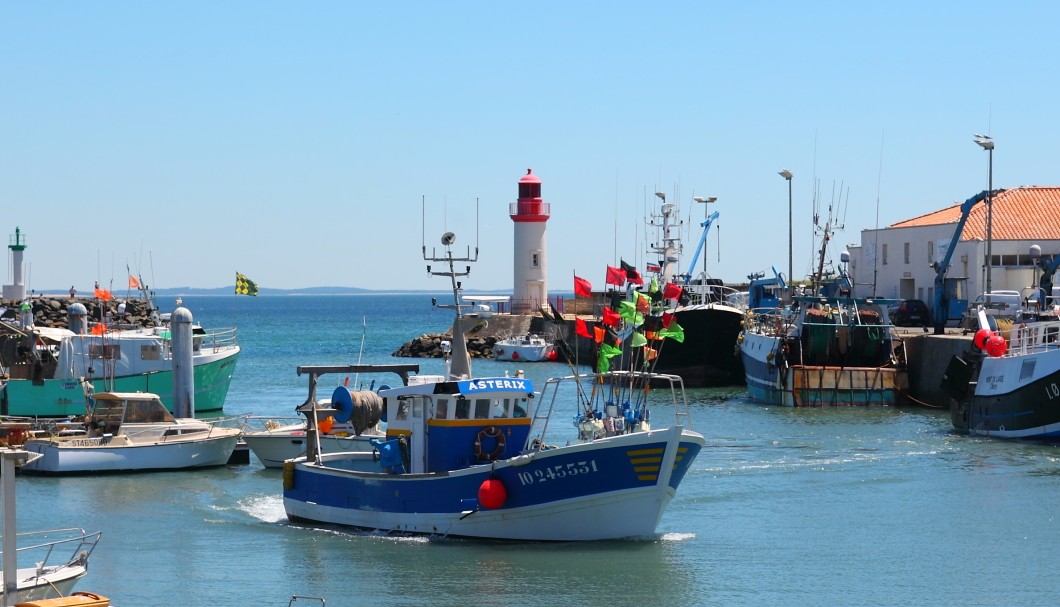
x=482, y=408
x=403, y=410
x=151, y=352
x=417, y=408
x=463, y=408
x=441, y=408
x=499, y=407
x=520, y=408
x=104, y=351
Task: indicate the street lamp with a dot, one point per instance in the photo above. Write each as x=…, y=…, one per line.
x=987, y=143
x=786, y=174
x=706, y=203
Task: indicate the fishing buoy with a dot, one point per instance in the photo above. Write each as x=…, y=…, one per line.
x=996, y=346
x=553, y=355
x=492, y=494
x=325, y=425
x=981, y=337
x=515, y=356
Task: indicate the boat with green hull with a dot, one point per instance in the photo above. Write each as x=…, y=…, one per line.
x=44, y=367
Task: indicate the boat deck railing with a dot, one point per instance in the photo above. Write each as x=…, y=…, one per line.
x=599, y=388
x=1034, y=337
x=73, y=545
x=218, y=339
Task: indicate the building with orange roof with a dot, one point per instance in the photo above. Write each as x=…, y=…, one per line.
x=897, y=261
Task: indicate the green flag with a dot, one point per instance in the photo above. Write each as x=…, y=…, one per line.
x=628, y=311
x=245, y=286
x=603, y=360
x=675, y=332
x=637, y=340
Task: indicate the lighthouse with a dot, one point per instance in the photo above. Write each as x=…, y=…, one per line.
x=530, y=214
x=16, y=291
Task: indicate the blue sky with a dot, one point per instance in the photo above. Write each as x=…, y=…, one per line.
x=294, y=141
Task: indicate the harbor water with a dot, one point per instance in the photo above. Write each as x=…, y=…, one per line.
x=857, y=506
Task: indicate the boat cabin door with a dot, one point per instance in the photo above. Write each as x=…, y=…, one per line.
x=418, y=440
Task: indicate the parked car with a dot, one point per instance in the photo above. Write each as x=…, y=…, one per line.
x=910, y=313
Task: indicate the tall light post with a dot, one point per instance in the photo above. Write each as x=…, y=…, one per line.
x=706, y=200
x=786, y=174
x=987, y=143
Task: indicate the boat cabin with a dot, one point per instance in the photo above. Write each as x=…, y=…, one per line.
x=436, y=425
x=110, y=410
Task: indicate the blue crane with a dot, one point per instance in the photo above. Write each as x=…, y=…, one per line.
x=941, y=307
x=699, y=247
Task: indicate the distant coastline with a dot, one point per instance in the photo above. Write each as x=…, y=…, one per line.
x=230, y=290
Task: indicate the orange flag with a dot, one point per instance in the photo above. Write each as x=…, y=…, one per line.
x=134, y=282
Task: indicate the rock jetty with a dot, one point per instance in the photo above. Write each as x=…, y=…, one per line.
x=52, y=311
x=430, y=346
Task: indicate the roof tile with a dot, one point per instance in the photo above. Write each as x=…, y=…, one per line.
x=1023, y=213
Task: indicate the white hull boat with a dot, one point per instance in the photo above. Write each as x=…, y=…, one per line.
x=127, y=432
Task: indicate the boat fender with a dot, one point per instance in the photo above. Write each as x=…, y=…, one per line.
x=492, y=494
x=489, y=432
x=288, y=475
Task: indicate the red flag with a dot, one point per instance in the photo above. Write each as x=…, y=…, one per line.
x=582, y=287
x=616, y=276
x=668, y=317
x=611, y=318
x=580, y=328
x=632, y=275
x=672, y=291
x=651, y=267
x=134, y=282
x=598, y=334
x=103, y=294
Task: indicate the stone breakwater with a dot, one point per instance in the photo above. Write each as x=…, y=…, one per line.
x=430, y=346
x=53, y=311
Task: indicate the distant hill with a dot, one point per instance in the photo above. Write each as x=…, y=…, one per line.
x=230, y=290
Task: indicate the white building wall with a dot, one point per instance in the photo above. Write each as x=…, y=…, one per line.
x=913, y=278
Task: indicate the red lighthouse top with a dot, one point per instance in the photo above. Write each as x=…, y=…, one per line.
x=529, y=207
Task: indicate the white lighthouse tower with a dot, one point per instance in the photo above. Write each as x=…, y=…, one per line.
x=16, y=291
x=530, y=215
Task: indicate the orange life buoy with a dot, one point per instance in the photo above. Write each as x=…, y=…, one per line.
x=489, y=432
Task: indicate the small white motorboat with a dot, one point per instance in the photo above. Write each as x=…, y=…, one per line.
x=524, y=348
x=133, y=431
x=59, y=559
x=274, y=440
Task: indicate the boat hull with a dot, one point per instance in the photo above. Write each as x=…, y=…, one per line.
x=96, y=455
x=612, y=488
x=66, y=397
x=771, y=381
x=274, y=448
x=1016, y=397
x=707, y=357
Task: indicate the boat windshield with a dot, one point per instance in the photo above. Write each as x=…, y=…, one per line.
x=133, y=410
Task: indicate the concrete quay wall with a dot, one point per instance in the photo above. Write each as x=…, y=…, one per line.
x=927, y=356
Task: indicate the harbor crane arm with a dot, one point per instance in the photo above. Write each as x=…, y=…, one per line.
x=699, y=247
x=941, y=306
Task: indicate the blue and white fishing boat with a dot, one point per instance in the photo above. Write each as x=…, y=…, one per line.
x=469, y=456
x=826, y=349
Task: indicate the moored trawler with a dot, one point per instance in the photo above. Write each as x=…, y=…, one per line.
x=1008, y=384
x=835, y=351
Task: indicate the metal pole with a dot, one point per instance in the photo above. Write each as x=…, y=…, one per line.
x=989, y=217
x=791, y=286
